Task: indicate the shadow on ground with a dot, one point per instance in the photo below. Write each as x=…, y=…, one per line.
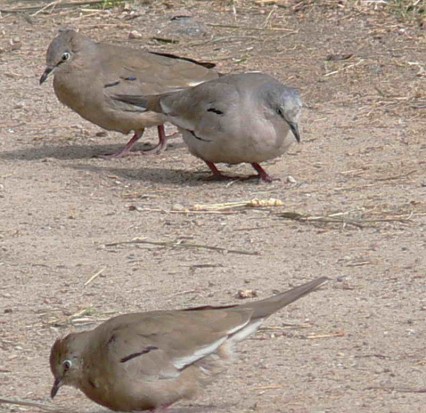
x=68, y=152
x=176, y=177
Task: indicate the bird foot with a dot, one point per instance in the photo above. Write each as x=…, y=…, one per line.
x=117, y=155
x=221, y=177
x=127, y=150
x=218, y=176
x=161, y=147
x=267, y=179
x=261, y=173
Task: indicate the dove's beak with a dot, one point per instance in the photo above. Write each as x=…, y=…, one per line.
x=56, y=385
x=46, y=74
x=295, y=130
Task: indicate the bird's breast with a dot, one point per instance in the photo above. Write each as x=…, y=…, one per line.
x=239, y=138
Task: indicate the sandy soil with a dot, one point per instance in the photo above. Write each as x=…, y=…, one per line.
x=357, y=344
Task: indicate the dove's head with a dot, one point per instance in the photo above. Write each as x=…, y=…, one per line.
x=66, y=361
x=286, y=103
x=62, y=51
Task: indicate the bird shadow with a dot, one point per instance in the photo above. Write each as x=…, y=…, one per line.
x=142, y=173
x=70, y=152
x=148, y=174
x=177, y=177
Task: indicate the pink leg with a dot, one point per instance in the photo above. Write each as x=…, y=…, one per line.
x=126, y=150
x=162, y=143
x=213, y=168
x=217, y=175
x=262, y=173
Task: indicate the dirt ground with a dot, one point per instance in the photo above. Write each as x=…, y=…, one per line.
x=353, y=195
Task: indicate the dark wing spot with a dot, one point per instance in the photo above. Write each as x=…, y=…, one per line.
x=197, y=137
x=140, y=353
x=207, y=65
x=209, y=307
x=214, y=110
x=112, y=84
x=112, y=339
x=128, y=78
x=92, y=384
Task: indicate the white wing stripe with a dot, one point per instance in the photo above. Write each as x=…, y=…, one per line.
x=198, y=354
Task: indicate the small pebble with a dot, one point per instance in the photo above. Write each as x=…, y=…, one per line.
x=134, y=34
x=243, y=294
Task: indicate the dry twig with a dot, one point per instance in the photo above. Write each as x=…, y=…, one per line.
x=56, y=4
x=263, y=29
x=179, y=243
x=397, y=389
x=342, y=218
x=253, y=203
x=96, y=275
x=344, y=68
x=221, y=208
x=328, y=335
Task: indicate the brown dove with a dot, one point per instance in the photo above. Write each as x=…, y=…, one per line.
x=248, y=117
x=148, y=361
x=87, y=74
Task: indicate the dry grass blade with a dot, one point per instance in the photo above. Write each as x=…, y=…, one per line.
x=327, y=335
x=94, y=276
x=344, y=68
x=344, y=219
x=182, y=244
x=285, y=327
x=50, y=5
x=270, y=387
x=393, y=177
x=181, y=211
x=85, y=316
x=263, y=29
x=220, y=208
x=253, y=203
x=326, y=219
x=398, y=389
x=56, y=4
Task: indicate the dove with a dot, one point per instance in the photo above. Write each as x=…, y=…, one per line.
x=151, y=360
x=86, y=74
x=247, y=117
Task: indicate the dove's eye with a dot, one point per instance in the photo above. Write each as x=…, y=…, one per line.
x=279, y=112
x=65, y=56
x=67, y=364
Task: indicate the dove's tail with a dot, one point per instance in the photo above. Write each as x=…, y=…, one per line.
x=264, y=308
